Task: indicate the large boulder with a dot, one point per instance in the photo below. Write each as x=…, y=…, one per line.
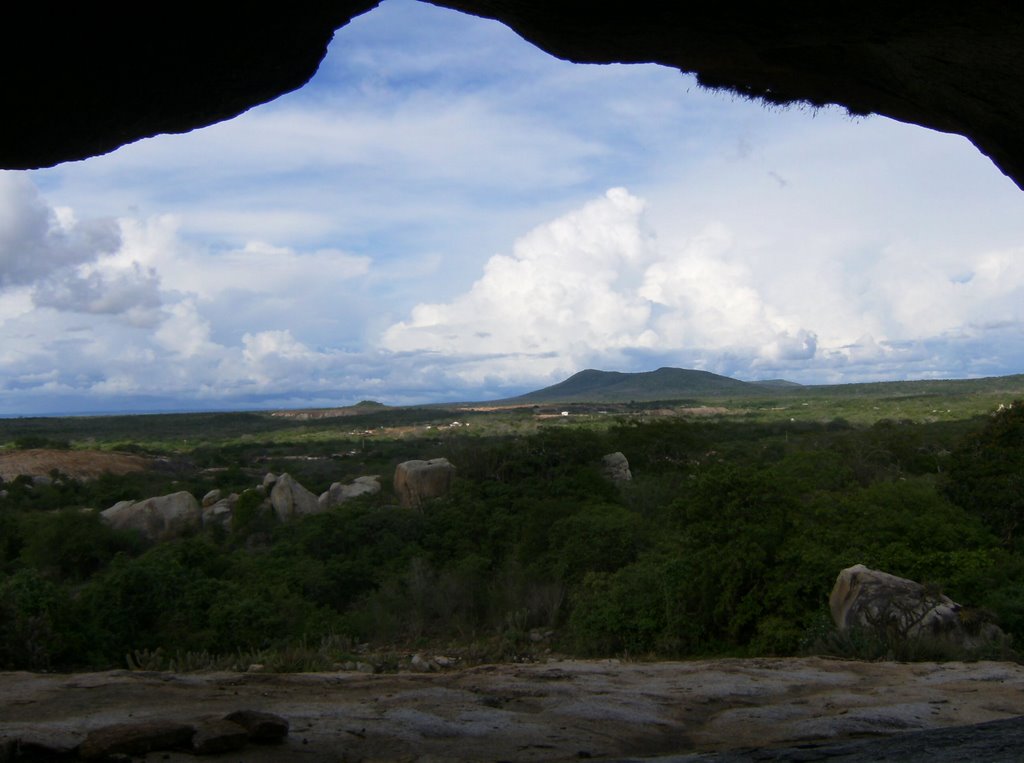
x=159, y=518
x=616, y=467
x=291, y=500
x=419, y=481
x=220, y=512
x=898, y=609
x=339, y=493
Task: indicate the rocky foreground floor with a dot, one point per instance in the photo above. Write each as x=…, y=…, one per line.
x=715, y=710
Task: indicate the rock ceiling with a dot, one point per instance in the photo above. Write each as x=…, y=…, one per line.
x=90, y=78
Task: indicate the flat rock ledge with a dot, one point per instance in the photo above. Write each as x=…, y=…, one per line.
x=118, y=741
x=709, y=710
x=993, y=742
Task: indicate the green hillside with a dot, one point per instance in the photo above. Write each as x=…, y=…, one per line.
x=667, y=384
x=1012, y=384
x=592, y=386
x=778, y=384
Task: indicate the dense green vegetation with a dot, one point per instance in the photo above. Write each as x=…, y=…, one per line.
x=727, y=541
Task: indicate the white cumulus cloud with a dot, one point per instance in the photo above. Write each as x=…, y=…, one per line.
x=593, y=283
x=599, y=287
x=560, y=292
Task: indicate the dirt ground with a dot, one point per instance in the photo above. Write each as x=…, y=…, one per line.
x=556, y=711
x=79, y=464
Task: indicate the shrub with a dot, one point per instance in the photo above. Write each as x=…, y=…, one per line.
x=72, y=544
x=34, y=631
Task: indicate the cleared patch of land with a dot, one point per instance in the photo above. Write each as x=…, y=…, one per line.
x=78, y=464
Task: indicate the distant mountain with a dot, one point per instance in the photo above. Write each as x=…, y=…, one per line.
x=777, y=383
x=592, y=386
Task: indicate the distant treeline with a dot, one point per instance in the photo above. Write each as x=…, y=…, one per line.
x=125, y=431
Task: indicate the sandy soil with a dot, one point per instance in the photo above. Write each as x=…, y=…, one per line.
x=80, y=464
x=561, y=710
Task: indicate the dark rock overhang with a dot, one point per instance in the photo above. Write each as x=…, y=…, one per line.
x=83, y=79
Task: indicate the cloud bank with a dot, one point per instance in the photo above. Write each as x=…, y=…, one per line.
x=99, y=313
x=598, y=287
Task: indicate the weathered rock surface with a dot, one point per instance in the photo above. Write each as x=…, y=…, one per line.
x=159, y=518
x=418, y=481
x=880, y=603
x=212, y=497
x=994, y=742
x=260, y=726
x=338, y=493
x=50, y=747
x=217, y=735
x=616, y=467
x=545, y=712
x=136, y=738
x=291, y=500
x=220, y=513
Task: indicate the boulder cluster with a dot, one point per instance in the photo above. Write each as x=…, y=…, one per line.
x=169, y=516
x=416, y=482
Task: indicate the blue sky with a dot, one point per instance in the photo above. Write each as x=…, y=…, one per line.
x=447, y=213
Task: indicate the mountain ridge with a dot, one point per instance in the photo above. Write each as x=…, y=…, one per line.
x=667, y=383
x=594, y=386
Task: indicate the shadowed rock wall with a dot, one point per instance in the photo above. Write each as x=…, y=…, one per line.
x=953, y=67
x=78, y=84
x=81, y=79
